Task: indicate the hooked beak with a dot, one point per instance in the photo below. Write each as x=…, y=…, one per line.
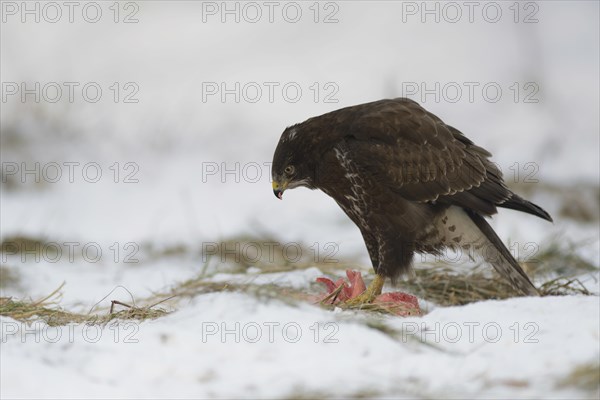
x=278, y=189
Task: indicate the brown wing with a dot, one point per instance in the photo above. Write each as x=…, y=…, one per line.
x=402, y=146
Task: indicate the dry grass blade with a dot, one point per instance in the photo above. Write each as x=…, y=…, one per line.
x=445, y=286
x=27, y=312
x=564, y=287
x=50, y=313
x=448, y=287
x=332, y=296
x=56, y=292
x=385, y=308
x=585, y=377
x=138, y=313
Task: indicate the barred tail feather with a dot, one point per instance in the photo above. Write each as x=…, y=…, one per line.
x=496, y=253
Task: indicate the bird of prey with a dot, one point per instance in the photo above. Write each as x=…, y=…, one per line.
x=410, y=182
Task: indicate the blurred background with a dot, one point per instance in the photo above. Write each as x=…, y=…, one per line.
x=136, y=142
x=155, y=122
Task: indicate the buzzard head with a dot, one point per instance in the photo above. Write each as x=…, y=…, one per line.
x=291, y=166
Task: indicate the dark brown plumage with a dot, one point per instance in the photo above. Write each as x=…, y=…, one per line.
x=410, y=183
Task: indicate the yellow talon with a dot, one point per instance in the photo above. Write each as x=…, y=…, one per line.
x=370, y=293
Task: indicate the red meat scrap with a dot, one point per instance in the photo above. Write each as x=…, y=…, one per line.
x=397, y=303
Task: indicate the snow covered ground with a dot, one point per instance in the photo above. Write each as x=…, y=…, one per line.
x=239, y=346
x=171, y=163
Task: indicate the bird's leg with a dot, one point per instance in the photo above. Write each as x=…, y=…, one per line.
x=372, y=291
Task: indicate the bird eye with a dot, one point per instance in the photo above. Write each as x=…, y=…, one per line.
x=289, y=170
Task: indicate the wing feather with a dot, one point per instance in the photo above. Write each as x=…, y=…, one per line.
x=416, y=155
